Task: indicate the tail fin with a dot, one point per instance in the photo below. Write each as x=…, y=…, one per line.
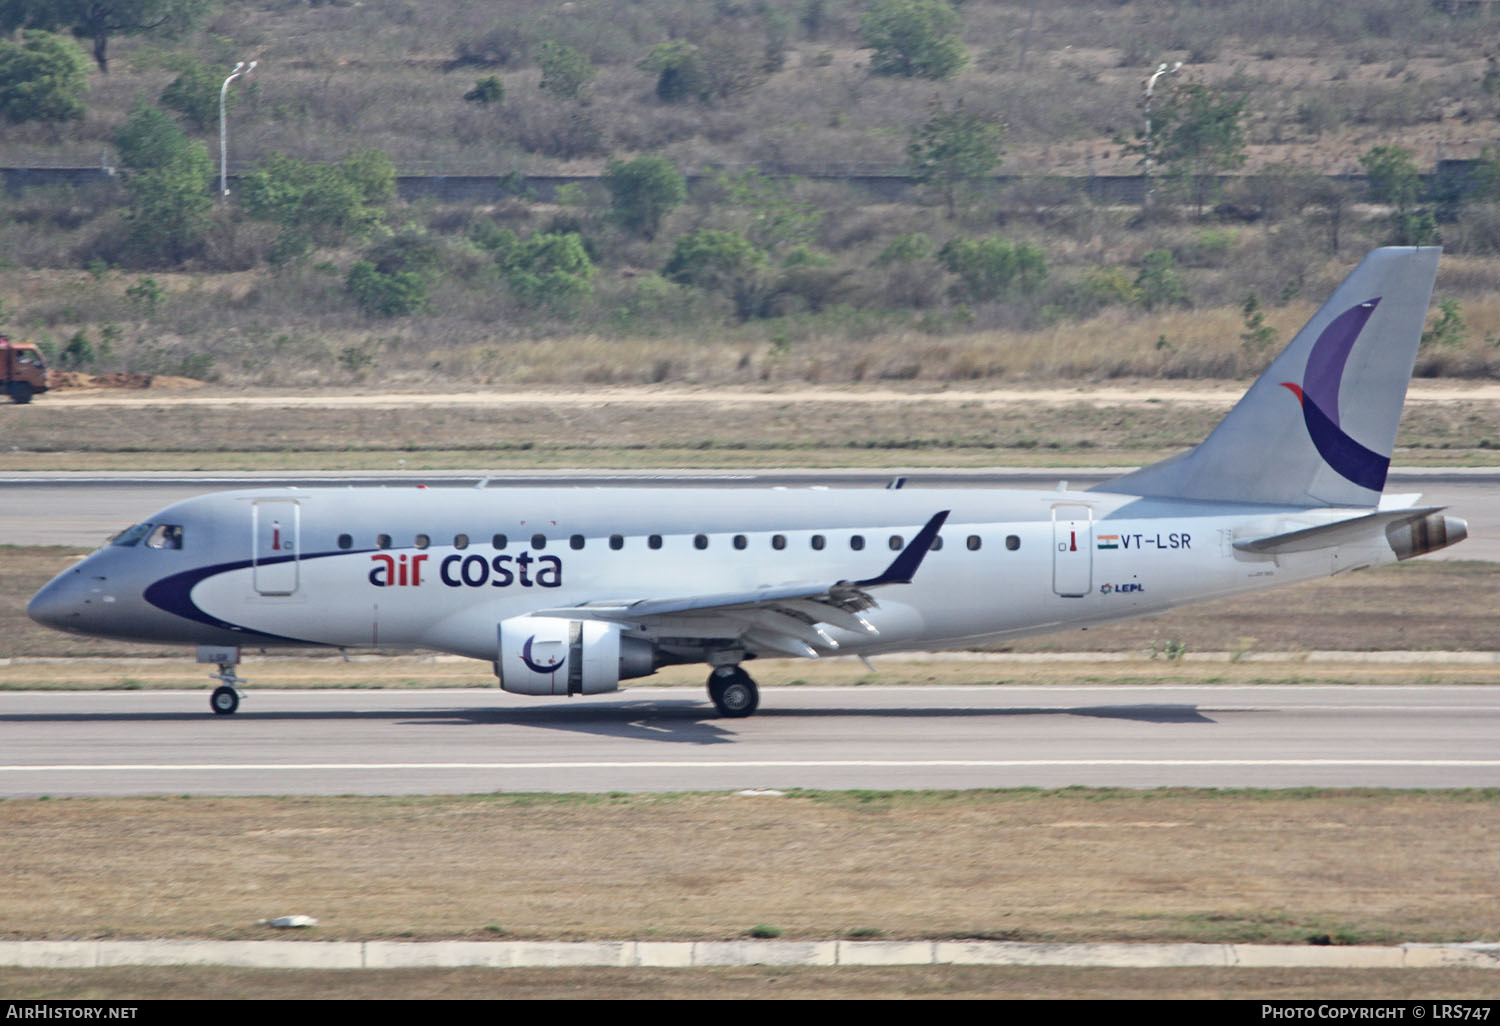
x=1318, y=427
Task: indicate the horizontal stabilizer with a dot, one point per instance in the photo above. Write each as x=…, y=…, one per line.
x=1344, y=532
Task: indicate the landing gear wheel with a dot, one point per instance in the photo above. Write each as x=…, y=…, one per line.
x=225, y=700
x=733, y=693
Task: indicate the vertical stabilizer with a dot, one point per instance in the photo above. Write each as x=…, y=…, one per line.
x=1318, y=427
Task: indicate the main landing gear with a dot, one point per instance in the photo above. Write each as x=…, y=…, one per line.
x=226, y=697
x=733, y=692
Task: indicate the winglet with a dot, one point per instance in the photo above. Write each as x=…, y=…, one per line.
x=904, y=567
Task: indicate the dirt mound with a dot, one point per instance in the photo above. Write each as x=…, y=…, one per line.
x=74, y=380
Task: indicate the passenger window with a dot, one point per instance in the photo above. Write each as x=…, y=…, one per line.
x=857, y=542
x=1012, y=542
x=700, y=541
x=937, y=543
x=422, y=541
x=575, y=542
x=897, y=544
x=654, y=541
x=617, y=541
x=460, y=541
x=778, y=541
x=382, y=541
x=740, y=542
x=167, y=536
x=499, y=541
x=539, y=541
x=346, y=541
x=818, y=541
x=974, y=543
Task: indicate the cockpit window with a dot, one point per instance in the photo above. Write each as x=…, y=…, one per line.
x=166, y=536
x=133, y=535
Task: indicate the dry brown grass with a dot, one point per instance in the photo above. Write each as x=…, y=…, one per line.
x=751, y=983
x=636, y=428
x=1075, y=865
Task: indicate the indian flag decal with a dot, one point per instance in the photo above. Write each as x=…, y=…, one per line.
x=1108, y=541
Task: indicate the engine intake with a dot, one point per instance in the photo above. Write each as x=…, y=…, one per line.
x=540, y=655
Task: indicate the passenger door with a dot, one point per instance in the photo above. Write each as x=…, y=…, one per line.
x=276, y=541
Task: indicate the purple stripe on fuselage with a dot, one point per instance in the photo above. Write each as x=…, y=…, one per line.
x=174, y=594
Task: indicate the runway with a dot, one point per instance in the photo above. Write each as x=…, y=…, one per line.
x=668, y=739
x=85, y=509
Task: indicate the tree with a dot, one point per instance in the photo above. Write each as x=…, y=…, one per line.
x=566, y=73
x=1394, y=179
x=1196, y=137
x=679, y=71
x=914, y=39
x=385, y=293
x=101, y=20
x=643, y=191
x=720, y=261
x=1157, y=284
x=992, y=268
x=953, y=147
x=194, y=94
x=486, y=91
x=167, y=179
x=548, y=269
x=319, y=204
x=43, y=78
x=777, y=219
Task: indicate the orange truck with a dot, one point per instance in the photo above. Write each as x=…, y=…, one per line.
x=23, y=372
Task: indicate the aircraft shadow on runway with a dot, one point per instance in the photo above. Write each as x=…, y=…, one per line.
x=679, y=722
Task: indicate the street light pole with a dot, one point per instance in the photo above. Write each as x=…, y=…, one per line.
x=223, y=135
x=1161, y=70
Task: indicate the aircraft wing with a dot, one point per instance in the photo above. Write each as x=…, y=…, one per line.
x=787, y=618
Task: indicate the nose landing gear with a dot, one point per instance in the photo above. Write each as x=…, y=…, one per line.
x=226, y=697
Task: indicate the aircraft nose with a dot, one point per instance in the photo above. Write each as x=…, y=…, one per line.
x=59, y=603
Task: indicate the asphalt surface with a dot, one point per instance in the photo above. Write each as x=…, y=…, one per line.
x=669, y=739
x=85, y=509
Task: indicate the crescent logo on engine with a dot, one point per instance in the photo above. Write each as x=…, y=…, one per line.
x=535, y=667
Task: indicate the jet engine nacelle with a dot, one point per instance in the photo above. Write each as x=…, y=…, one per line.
x=540, y=655
x=1434, y=531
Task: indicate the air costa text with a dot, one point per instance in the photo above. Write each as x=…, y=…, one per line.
x=526, y=570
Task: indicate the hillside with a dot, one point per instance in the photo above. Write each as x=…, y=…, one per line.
x=788, y=278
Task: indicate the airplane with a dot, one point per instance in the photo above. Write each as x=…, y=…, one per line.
x=569, y=591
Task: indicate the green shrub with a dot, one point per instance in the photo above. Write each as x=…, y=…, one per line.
x=642, y=192
x=42, y=78
x=386, y=295
x=551, y=270
x=914, y=39
x=486, y=91
x=1157, y=284
x=991, y=268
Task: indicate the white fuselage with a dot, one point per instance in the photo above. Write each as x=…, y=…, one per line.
x=439, y=568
